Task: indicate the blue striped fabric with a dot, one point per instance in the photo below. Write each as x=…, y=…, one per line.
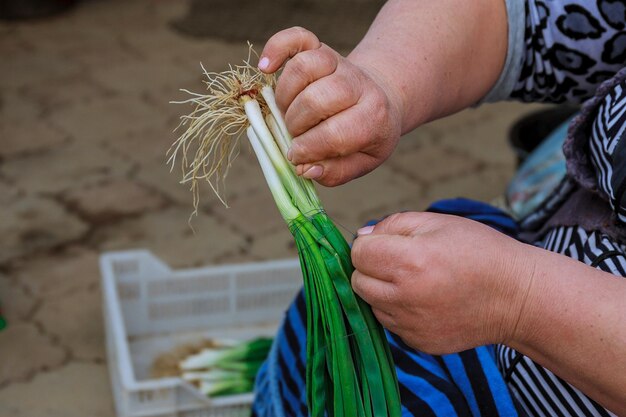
x=465, y=384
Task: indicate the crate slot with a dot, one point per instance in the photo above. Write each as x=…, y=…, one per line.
x=128, y=290
x=189, y=285
x=186, y=308
x=258, y=300
x=262, y=279
x=126, y=268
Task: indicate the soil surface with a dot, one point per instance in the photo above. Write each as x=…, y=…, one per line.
x=340, y=24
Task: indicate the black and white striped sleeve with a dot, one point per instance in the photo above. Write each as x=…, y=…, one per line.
x=539, y=391
x=607, y=149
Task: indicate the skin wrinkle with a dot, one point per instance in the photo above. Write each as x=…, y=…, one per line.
x=341, y=142
x=332, y=132
x=524, y=304
x=372, y=112
x=387, y=320
x=391, y=104
x=322, y=137
x=305, y=36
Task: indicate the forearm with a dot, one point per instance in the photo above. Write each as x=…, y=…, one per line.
x=435, y=58
x=573, y=322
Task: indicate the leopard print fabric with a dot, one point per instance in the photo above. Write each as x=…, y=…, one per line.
x=570, y=48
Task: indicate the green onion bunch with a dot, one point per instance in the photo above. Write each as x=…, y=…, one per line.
x=350, y=371
x=226, y=370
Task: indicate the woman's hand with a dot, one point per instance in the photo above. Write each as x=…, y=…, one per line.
x=419, y=61
x=442, y=283
x=344, y=119
x=445, y=284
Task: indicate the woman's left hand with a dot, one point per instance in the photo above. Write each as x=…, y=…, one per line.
x=442, y=283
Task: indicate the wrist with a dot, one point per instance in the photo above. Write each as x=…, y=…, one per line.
x=517, y=294
x=410, y=112
x=539, y=297
x=382, y=79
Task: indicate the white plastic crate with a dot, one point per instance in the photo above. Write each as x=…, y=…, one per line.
x=149, y=309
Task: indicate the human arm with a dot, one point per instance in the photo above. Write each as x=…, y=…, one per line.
x=575, y=326
x=445, y=284
x=424, y=60
x=419, y=61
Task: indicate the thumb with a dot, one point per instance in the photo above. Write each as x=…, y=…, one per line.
x=337, y=171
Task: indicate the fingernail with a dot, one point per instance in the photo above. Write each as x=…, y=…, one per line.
x=289, y=154
x=314, y=172
x=264, y=63
x=365, y=230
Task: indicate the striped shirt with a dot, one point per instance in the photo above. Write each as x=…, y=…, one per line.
x=539, y=391
x=570, y=47
x=608, y=155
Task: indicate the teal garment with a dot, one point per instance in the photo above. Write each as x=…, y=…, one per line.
x=539, y=176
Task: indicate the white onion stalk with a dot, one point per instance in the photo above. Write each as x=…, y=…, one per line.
x=212, y=375
x=204, y=359
x=283, y=201
x=226, y=371
x=281, y=140
x=283, y=168
x=268, y=94
x=238, y=100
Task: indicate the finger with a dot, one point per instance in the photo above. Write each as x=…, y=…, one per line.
x=284, y=45
x=305, y=68
x=343, y=134
x=337, y=171
x=385, y=257
x=378, y=293
x=405, y=224
x=386, y=319
x=319, y=101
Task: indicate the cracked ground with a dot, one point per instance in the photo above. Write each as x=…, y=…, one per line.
x=84, y=127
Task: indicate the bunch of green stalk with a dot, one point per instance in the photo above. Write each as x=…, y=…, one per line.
x=226, y=370
x=349, y=372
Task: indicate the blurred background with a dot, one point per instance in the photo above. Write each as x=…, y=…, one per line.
x=85, y=123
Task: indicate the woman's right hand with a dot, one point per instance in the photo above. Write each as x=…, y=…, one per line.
x=344, y=118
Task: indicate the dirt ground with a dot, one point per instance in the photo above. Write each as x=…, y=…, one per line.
x=248, y=20
x=84, y=126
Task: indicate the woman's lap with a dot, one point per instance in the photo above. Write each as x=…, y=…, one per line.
x=462, y=384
